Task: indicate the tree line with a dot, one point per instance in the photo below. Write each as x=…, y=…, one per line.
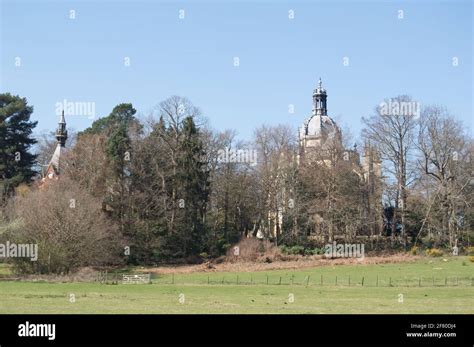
x=159, y=189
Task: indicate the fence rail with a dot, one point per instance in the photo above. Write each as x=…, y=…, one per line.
x=324, y=281
x=105, y=277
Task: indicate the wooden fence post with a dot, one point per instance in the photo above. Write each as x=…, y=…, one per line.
x=362, y=281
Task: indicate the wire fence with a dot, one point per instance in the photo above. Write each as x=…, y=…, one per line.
x=320, y=280
x=113, y=277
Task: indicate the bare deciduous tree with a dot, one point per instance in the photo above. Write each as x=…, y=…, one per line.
x=68, y=226
x=391, y=130
x=445, y=159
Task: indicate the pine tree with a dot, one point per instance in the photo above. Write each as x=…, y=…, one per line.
x=16, y=162
x=121, y=114
x=193, y=187
x=117, y=126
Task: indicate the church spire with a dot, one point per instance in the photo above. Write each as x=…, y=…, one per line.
x=319, y=100
x=53, y=169
x=61, y=132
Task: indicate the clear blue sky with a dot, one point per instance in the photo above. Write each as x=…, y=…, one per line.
x=280, y=59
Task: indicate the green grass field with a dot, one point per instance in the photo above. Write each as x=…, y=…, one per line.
x=429, y=285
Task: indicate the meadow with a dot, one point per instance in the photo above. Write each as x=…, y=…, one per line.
x=427, y=285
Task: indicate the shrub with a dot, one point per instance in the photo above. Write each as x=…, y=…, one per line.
x=252, y=249
x=427, y=242
x=68, y=226
x=471, y=259
x=434, y=252
x=470, y=250
x=296, y=250
x=301, y=250
x=315, y=251
x=414, y=250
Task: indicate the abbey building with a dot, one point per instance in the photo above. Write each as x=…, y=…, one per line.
x=320, y=142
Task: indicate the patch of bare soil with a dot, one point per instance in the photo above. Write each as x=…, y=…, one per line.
x=298, y=263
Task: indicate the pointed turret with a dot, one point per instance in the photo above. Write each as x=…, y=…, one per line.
x=61, y=132
x=61, y=136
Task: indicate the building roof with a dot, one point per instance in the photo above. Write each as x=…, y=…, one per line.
x=56, y=156
x=319, y=125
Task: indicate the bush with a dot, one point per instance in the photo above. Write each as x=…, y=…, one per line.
x=470, y=250
x=427, y=242
x=471, y=259
x=252, y=249
x=300, y=250
x=314, y=251
x=434, y=252
x=317, y=251
x=296, y=250
x=67, y=225
x=414, y=250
